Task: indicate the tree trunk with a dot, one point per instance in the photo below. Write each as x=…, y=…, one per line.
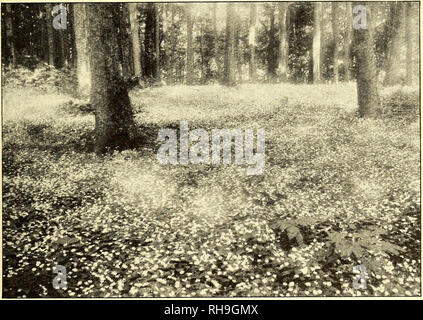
x=157, y=41
x=283, y=42
x=203, y=76
x=150, y=40
x=409, y=49
x=109, y=96
x=190, y=51
x=317, y=41
x=50, y=34
x=229, y=74
x=121, y=15
x=237, y=53
x=393, y=67
x=216, y=41
x=272, y=63
x=252, y=42
x=367, y=91
x=336, y=47
x=135, y=37
x=347, y=43
x=81, y=41
x=9, y=34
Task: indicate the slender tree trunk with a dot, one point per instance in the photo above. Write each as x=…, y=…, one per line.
x=317, y=38
x=81, y=41
x=135, y=37
x=109, y=97
x=190, y=51
x=202, y=54
x=238, y=56
x=157, y=41
x=409, y=50
x=272, y=63
x=9, y=34
x=347, y=43
x=283, y=42
x=252, y=42
x=336, y=46
x=367, y=91
x=216, y=42
x=50, y=34
x=229, y=74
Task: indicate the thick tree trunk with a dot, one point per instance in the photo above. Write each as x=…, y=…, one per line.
x=9, y=34
x=317, y=42
x=229, y=74
x=367, y=91
x=109, y=95
x=50, y=34
x=121, y=16
x=409, y=39
x=336, y=46
x=347, y=42
x=135, y=37
x=81, y=41
x=190, y=52
x=283, y=42
x=252, y=42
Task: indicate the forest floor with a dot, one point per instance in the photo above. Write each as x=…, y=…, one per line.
x=336, y=192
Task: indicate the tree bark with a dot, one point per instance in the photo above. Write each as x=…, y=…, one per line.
x=190, y=51
x=396, y=20
x=50, y=34
x=81, y=41
x=216, y=41
x=409, y=49
x=367, y=91
x=317, y=42
x=252, y=42
x=347, y=43
x=336, y=46
x=109, y=95
x=283, y=42
x=229, y=74
x=135, y=37
x=9, y=34
x=157, y=41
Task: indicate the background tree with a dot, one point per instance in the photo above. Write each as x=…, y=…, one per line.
x=81, y=41
x=283, y=41
x=252, y=42
x=9, y=34
x=317, y=42
x=50, y=34
x=336, y=40
x=229, y=73
x=347, y=41
x=190, y=50
x=367, y=89
x=135, y=37
x=393, y=62
x=409, y=39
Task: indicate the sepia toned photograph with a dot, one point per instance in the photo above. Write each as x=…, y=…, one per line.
x=211, y=150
